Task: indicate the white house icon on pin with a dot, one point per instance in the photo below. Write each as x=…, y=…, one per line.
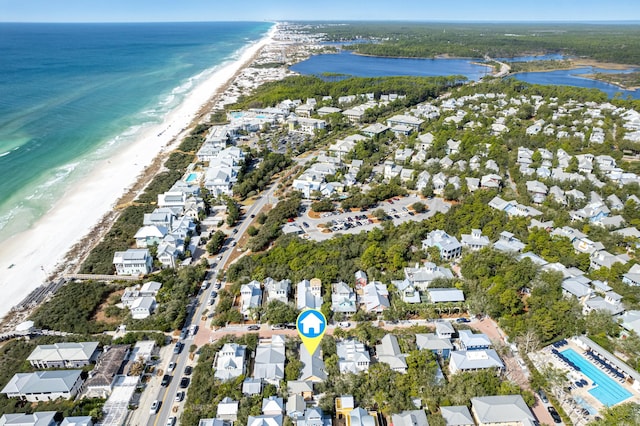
x=311, y=325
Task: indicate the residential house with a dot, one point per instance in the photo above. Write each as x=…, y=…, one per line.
x=448, y=246
x=64, y=355
x=251, y=386
x=507, y=242
x=457, y=415
x=473, y=342
x=143, y=307
x=537, y=190
x=272, y=406
x=277, y=290
x=633, y=276
x=250, y=298
x=133, y=262
x=501, y=410
x=159, y=217
x=313, y=416
x=295, y=407
x=313, y=368
x=228, y=409
x=604, y=259
x=230, y=362
x=76, y=421
x=326, y=110
x=344, y=405
x=360, y=417
x=388, y=351
x=361, y=279
x=491, y=181
x=413, y=123
x=309, y=294
x=102, y=378
x=39, y=418
x=610, y=303
x=474, y=361
x=453, y=147
x=353, y=357
x=375, y=297
x=300, y=387
x=44, y=385
x=150, y=235
x=441, y=347
x=445, y=295
x=269, y=360
x=407, y=290
x=421, y=277
x=475, y=240
x=343, y=299
x=264, y=420
x=444, y=330
x=410, y=418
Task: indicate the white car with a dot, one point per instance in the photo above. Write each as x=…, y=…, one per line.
x=171, y=367
x=155, y=405
x=344, y=324
x=171, y=421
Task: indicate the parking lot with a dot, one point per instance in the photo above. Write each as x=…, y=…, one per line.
x=354, y=222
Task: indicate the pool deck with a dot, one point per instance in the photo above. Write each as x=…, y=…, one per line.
x=545, y=357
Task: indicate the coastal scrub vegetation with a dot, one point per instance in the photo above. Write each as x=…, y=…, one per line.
x=73, y=307
x=256, y=180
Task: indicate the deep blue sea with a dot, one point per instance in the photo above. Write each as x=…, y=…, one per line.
x=71, y=94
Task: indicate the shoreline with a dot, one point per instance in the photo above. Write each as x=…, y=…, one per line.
x=58, y=242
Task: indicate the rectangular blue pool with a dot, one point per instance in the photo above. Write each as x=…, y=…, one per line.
x=606, y=390
x=191, y=177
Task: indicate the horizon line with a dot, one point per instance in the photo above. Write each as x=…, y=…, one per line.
x=280, y=21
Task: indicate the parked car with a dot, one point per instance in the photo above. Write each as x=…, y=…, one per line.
x=290, y=326
x=543, y=396
x=344, y=324
x=179, y=396
x=253, y=328
x=184, y=383
x=204, y=285
x=171, y=421
x=171, y=367
x=178, y=348
x=554, y=415
x=463, y=320
x=155, y=405
x=277, y=327
x=188, y=370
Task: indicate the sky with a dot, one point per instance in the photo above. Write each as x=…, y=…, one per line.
x=281, y=10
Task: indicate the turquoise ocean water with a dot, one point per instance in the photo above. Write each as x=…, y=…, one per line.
x=72, y=94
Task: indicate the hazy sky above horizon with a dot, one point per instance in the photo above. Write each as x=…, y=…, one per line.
x=258, y=10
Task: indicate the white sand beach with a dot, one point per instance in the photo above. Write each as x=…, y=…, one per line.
x=37, y=252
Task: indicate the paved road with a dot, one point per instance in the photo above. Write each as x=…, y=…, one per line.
x=199, y=305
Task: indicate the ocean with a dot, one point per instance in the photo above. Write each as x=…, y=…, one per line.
x=73, y=94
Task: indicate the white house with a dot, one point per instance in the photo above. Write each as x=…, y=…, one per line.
x=277, y=290
x=309, y=294
x=343, y=299
x=64, y=355
x=475, y=240
x=250, y=298
x=44, y=385
x=448, y=246
x=230, y=362
x=353, y=357
x=269, y=360
x=388, y=351
x=375, y=297
x=133, y=262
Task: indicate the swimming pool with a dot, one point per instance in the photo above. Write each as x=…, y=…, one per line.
x=191, y=177
x=606, y=390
